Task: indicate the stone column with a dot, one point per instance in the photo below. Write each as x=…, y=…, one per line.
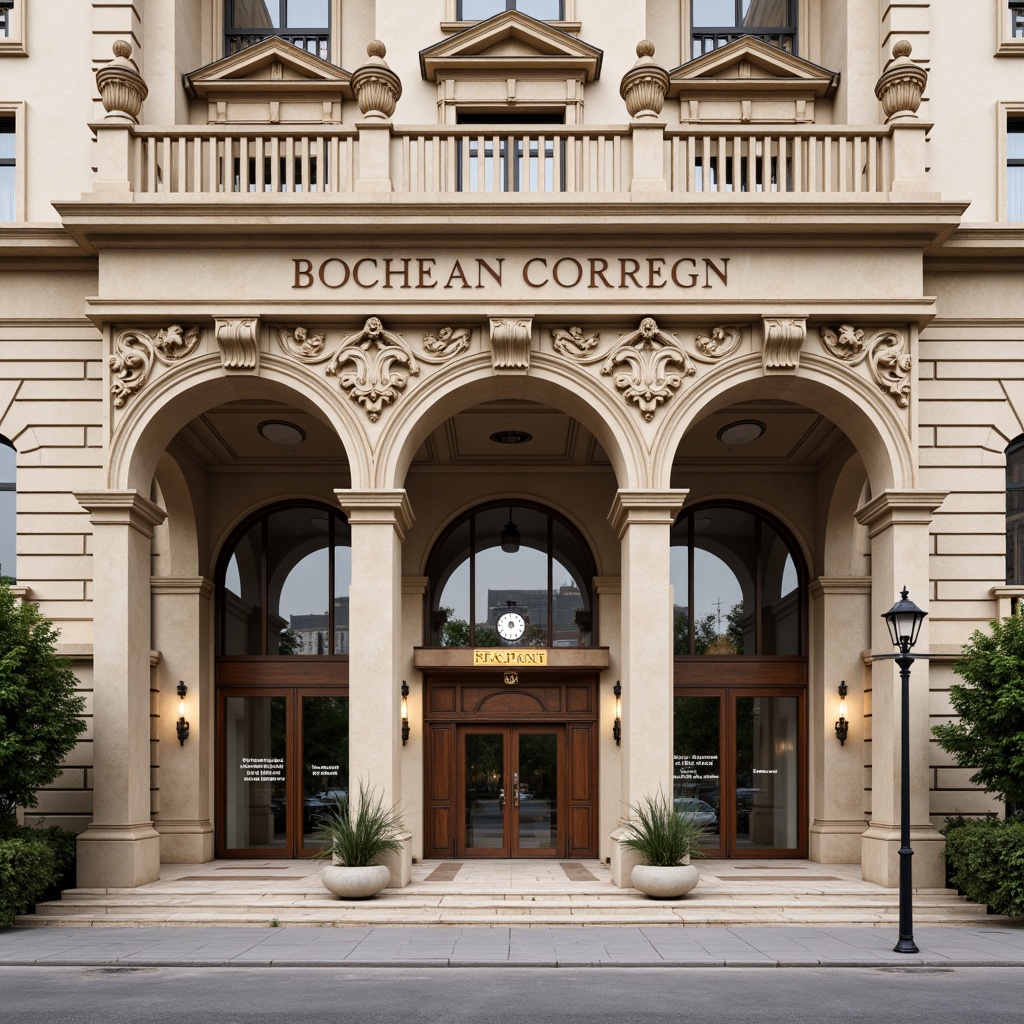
x=181, y=632
x=379, y=520
x=897, y=523
x=840, y=631
x=642, y=520
x=120, y=848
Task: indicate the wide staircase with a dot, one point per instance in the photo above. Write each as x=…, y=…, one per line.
x=503, y=892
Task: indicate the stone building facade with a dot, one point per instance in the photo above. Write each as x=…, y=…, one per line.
x=330, y=326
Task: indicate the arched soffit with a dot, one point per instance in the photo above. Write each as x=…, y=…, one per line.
x=147, y=427
x=846, y=544
x=180, y=528
x=475, y=382
x=873, y=423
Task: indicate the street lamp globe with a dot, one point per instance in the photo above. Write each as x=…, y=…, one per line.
x=904, y=620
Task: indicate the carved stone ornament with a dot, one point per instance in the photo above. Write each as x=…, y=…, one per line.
x=447, y=343
x=510, y=342
x=645, y=84
x=656, y=366
x=721, y=342
x=365, y=365
x=574, y=343
x=885, y=352
x=122, y=88
x=376, y=86
x=901, y=84
x=303, y=344
x=239, y=342
x=135, y=352
x=783, y=338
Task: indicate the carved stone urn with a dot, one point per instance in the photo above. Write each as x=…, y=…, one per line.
x=376, y=86
x=356, y=883
x=644, y=85
x=121, y=87
x=901, y=84
x=665, y=882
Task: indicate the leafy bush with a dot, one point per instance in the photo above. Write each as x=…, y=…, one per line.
x=661, y=834
x=359, y=839
x=986, y=861
x=32, y=861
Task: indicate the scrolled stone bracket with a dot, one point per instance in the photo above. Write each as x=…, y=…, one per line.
x=510, y=343
x=886, y=353
x=366, y=365
x=135, y=353
x=783, y=339
x=239, y=342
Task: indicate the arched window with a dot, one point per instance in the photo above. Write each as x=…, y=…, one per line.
x=8, y=524
x=738, y=584
x=511, y=558
x=284, y=584
x=1015, y=512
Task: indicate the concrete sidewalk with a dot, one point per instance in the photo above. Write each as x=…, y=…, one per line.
x=993, y=945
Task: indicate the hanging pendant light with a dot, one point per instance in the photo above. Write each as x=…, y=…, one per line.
x=510, y=535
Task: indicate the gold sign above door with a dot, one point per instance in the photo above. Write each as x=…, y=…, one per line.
x=492, y=656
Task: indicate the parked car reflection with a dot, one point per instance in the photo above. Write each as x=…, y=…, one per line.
x=700, y=810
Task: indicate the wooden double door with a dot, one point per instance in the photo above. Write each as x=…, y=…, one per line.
x=510, y=788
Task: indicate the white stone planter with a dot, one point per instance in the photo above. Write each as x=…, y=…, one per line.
x=356, y=883
x=665, y=883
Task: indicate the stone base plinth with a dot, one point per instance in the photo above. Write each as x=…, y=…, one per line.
x=880, y=861
x=118, y=857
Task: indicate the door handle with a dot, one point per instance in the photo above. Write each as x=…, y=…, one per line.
x=501, y=797
x=515, y=789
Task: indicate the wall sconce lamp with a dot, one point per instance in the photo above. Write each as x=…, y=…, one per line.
x=617, y=727
x=405, y=712
x=182, y=724
x=842, y=726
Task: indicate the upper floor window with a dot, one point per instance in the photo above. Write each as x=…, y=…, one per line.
x=305, y=23
x=5, y=29
x=1017, y=22
x=8, y=171
x=717, y=22
x=8, y=531
x=1015, y=169
x=479, y=10
x=1015, y=512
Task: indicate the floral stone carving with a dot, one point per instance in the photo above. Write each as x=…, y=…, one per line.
x=573, y=343
x=366, y=367
x=721, y=342
x=135, y=353
x=447, y=343
x=303, y=343
x=886, y=353
x=655, y=366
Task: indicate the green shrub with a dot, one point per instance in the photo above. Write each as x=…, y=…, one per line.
x=986, y=862
x=33, y=863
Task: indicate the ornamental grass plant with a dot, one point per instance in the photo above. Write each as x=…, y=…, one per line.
x=358, y=839
x=662, y=835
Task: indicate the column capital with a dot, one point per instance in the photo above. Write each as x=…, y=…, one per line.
x=641, y=506
x=891, y=507
x=850, y=585
x=381, y=507
x=198, y=586
x=121, y=508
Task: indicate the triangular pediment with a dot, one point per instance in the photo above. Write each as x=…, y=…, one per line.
x=749, y=65
x=270, y=65
x=511, y=42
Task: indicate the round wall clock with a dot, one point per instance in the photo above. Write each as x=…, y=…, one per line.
x=511, y=626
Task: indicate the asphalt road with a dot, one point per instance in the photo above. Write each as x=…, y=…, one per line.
x=903, y=995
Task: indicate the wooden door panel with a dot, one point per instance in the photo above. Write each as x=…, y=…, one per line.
x=440, y=838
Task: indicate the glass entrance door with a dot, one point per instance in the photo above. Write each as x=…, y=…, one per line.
x=738, y=768
x=510, y=788
x=283, y=761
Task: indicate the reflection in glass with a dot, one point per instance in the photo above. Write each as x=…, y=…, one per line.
x=538, y=791
x=766, y=773
x=485, y=793
x=8, y=503
x=780, y=610
x=324, y=759
x=243, y=602
x=696, y=765
x=342, y=583
x=255, y=809
x=478, y=10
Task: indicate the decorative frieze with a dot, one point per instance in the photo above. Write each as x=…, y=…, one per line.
x=135, y=352
x=510, y=342
x=783, y=339
x=366, y=365
x=239, y=343
x=655, y=366
x=886, y=353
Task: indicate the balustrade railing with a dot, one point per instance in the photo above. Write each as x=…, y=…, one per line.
x=478, y=160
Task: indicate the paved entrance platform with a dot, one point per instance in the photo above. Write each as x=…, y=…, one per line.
x=526, y=893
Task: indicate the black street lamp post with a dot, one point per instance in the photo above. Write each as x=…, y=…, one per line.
x=904, y=620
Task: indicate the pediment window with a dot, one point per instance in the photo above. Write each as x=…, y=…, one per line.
x=511, y=63
x=715, y=23
x=303, y=23
x=749, y=81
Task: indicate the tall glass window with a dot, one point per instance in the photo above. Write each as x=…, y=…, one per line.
x=717, y=22
x=1015, y=512
x=8, y=525
x=285, y=582
x=305, y=23
x=8, y=170
x=736, y=578
x=1015, y=169
x=518, y=559
x=478, y=10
